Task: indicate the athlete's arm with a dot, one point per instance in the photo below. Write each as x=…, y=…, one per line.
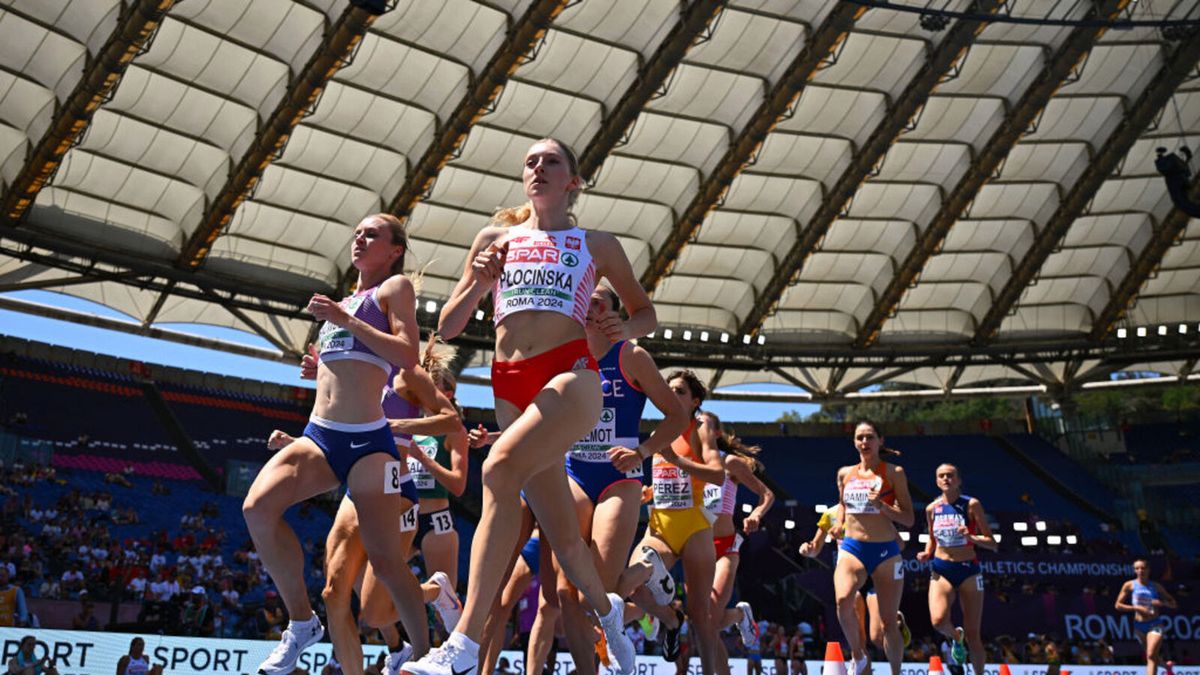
x=742, y=472
x=638, y=363
x=984, y=539
x=121, y=665
x=613, y=264
x=418, y=387
x=709, y=469
x=455, y=477
x=1121, y=605
x=1165, y=599
x=901, y=512
x=483, y=266
x=931, y=543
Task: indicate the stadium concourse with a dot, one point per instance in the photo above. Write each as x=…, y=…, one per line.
x=853, y=201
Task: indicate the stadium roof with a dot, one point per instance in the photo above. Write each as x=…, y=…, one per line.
x=826, y=194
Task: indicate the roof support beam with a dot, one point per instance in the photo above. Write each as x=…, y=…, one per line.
x=335, y=52
x=694, y=19
x=1175, y=69
x=899, y=114
x=818, y=46
x=60, y=282
x=1122, y=299
x=1016, y=123
x=103, y=72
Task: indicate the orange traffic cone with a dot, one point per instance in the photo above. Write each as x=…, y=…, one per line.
x=935, y=665
x=835, y=663
x=1064, y=672
x=1004, y=669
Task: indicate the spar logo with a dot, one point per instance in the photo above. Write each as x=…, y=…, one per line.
x=538, y=254
x=570, y=259
x=607, y=415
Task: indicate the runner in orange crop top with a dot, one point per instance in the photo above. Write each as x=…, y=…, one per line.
x=680, y=527
x=875, y=497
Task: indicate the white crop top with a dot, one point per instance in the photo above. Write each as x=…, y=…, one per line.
x=545, y=271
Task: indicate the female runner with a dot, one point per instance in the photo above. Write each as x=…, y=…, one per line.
x=679, y=526
x=720, y=501
x=347, y=439
x=956, y=525
x=874, y=496
x=1146, y=598
x=605, y=467
x=541, y=270
x=438, y=465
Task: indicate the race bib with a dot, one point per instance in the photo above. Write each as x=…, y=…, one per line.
x=594, y=447
x=857, y=492
x=442, y=522
x=393, y=477
x=335, y=338
x=945, y=529
x=408, y=519
x=423, y=479
x=672, y=487
x=713, y=496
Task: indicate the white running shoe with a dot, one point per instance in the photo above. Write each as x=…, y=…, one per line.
x=447, y=604
x=298, y=636
x=391, y=665
x=862, y=667
x=458, y=655
x=746, y=626
x=620, y=648
x=660, y=583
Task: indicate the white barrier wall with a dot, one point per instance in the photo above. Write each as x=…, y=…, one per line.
x=89, y=653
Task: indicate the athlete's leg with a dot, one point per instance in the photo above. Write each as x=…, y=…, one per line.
x=541, y=635
x=873, y=616
x=941, y=599
x=699, y=559
x=889, y=585
x=345, y=559
x=493, y=632
x=970, y=596
x=848, y=577
x=861, y=612
x=1154, y=641
x=633, y=580
x=441, y=555
x=535, y=441
x=387, y=538
x=723, y=578
x=580, y=631
x=292, y=475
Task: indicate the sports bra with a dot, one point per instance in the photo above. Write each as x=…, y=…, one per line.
x=548, y=271
x=720, y=500
x=857, y=487
x=336, y=343
x=674, y=489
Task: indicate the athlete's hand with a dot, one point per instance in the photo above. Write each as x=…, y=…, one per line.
x=752, y=522
x=309, y=362
x=477, y=437
x=489, y=263
x=279, y=440
x=609, y=323
x=924, y=556
x=836, y=531
x=417, y=454
x=873, y=498
x=624, y=459
x=323, y=308
x=963, y=529
x=807, y=550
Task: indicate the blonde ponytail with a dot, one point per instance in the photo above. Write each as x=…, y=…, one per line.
x=512, y=215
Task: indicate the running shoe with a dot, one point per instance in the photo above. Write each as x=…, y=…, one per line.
x=391, y=665
x=447, y=604
x=905, y=633
x=298, y=636
x=670, y=639
x=458, y=655
x=620, y=647
x=746, y=625
x=863, y=666
x=660, y=583
x=958, y=648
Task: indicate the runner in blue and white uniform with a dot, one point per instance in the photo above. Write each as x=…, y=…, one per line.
x=605, y=467
x=957, y=524
x=1146, y=599
x=347, y=440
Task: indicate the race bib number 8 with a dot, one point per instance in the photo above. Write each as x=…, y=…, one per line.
x=393, y=477
x=408, y=519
